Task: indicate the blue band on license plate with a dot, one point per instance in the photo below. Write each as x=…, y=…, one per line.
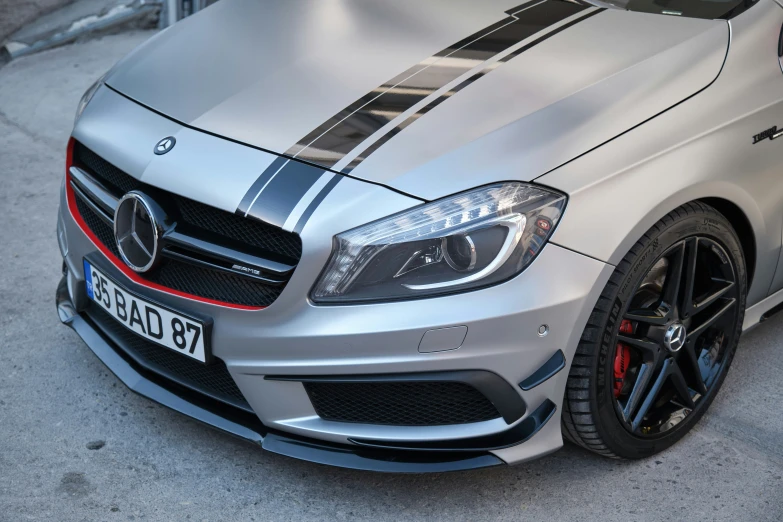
x=88, y=279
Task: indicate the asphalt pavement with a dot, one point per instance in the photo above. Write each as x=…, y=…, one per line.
x=75, y=444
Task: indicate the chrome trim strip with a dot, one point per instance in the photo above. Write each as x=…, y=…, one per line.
x=172, y=237
x=175, y=254
x=95, y=190
x=109, y=219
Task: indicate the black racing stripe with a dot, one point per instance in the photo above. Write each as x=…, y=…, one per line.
x=275, y=194
x=283, y=192
x=317, y=201
x=443, y=97
x=487, y=36
x=518, y=8
x=331, y=129
x=346, y=130
x=258, y=184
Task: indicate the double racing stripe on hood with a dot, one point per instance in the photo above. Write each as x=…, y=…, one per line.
x=290, y=189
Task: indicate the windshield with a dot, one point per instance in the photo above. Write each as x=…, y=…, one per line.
x=709, y=9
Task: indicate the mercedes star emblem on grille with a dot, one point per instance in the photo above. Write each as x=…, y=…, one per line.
x=165, y=145
x=136, y=231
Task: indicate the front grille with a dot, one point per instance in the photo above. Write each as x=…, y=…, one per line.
x=187, y=278
x=200, y=221
x=114, y=178
x=400, y=403
x=268, y=238
x=212, y=380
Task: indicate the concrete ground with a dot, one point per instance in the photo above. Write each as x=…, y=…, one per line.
x=16, y=13
x=57, y=400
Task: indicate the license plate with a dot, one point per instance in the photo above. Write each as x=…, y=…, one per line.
x=151, y=321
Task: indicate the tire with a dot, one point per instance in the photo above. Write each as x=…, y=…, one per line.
x=593, y=415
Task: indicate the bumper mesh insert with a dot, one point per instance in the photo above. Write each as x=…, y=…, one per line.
x=400, y=403
x=212, y=380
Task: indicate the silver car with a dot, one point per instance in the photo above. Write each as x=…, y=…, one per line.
x=432, y=235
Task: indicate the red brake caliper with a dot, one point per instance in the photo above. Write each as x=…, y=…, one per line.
x=622, y=358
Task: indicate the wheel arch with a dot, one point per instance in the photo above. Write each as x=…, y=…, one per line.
x=617, y=236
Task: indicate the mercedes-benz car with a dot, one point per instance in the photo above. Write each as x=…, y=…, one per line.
x=432, y=235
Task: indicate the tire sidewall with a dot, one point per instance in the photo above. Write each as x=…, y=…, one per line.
x=615, y=435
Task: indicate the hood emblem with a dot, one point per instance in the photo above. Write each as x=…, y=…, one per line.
x=136, y=231
x=165, y=145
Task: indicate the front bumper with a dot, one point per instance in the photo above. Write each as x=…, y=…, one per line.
x=503, y=322
x=399, y=457
x=262, y=350
x=250, y=428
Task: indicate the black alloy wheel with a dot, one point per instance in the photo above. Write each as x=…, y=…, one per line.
x=661, y=338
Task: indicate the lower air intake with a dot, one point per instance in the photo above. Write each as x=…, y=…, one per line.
x=400, y=403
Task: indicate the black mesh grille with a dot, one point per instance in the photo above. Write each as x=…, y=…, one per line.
x=237, y=228
x=198, y=215
x=214, y=284
x=212, y=380
x=118, y=181
x=99, y=227
x=400, y=403
x=188, y=278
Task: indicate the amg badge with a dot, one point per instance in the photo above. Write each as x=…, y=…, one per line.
x=247, y=270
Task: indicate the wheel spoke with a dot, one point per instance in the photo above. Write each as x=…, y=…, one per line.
x=671, y=285
x=642, y=381
x=657, y=317
x=650, y=349
x=690, y=351
x=692, y=248
x=649, y=399
x=678, y=379
x=707, y=301
x=696, y=332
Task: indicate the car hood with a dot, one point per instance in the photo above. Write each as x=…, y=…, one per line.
x=428, y=98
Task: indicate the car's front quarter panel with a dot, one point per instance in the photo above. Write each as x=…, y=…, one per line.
x=702, y=148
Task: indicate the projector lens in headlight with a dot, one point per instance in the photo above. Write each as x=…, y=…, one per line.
x=471, y=240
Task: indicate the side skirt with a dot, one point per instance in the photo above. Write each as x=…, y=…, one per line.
x=763, y=310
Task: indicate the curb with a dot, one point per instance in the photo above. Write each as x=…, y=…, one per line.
x=119, y=15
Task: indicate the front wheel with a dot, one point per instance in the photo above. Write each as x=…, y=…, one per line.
x=660, y=339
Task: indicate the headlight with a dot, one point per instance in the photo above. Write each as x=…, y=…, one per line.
x=462, y=242
x=86, y=97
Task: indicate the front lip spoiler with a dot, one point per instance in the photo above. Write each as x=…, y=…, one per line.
x=360, y=457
